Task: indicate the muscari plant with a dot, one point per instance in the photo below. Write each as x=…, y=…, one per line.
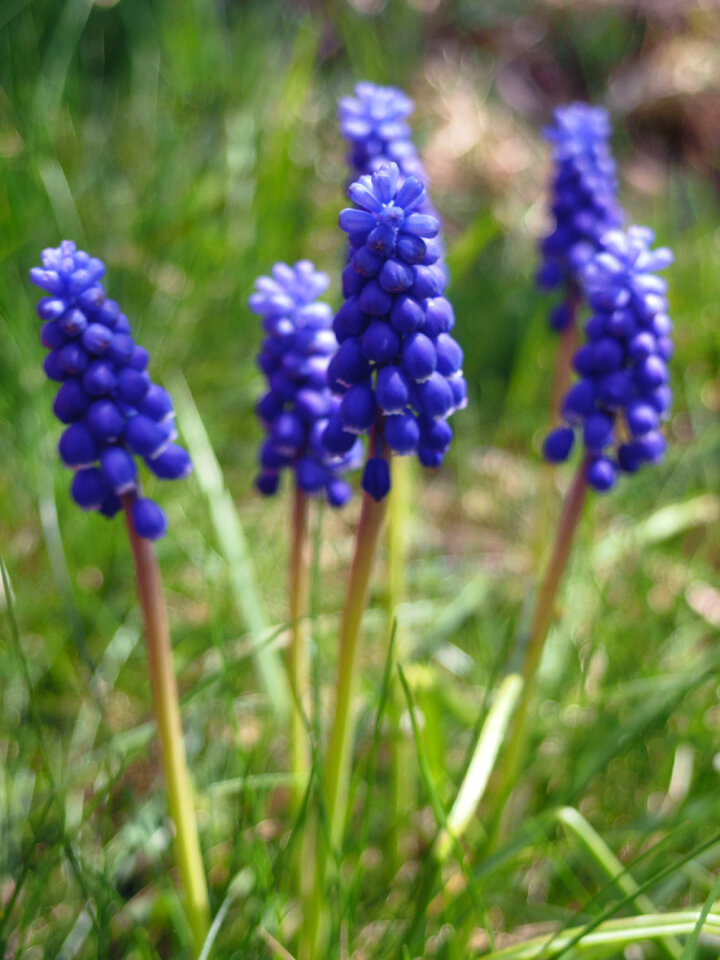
x=374, y=122
x=398, y=373
x=112, y=414
x=294, y=412
x=621, y=396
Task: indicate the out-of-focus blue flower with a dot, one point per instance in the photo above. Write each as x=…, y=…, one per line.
x=296, y=408
x=622, y=395
x=398, y=370
x=374, y=123
x=584, y=202
x=112, y=410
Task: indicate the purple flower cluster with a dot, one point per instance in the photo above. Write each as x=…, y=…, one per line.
x=374, y=122
x=622, y=394
x=112, y=409
x=298, y=403
x=398, y=370
x=584, y=199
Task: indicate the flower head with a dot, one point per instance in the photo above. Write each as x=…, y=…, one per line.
x=112, y=410
x=622, y=395
x=295, y=409
x=374, y=122
x=584, y=197
x=398, y=370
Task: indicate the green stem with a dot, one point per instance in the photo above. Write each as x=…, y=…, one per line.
x=337, y=759
x=298, y=665
x=402, y=767
x=167, y=712
x=540, y=623
x=297, y=658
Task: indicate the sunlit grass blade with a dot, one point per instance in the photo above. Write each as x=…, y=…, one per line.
x=612, y=868
x=436, y=803
x=233, y=543
x=481, y=766
x=611, y=934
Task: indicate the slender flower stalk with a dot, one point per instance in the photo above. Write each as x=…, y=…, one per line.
x=337, y=759
x=167, y=713
x=402, y=760
x=542, y=618
x=298, y=660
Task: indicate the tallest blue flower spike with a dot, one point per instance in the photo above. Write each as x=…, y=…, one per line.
x=374, y=123
x=112, y=410
x=398, y=370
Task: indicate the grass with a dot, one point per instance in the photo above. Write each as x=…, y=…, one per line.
x=190, y=145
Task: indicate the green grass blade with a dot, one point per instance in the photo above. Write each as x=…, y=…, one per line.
x=609, y=864
x=233, y=543
x=689, y=953
x=611, y=934
x=482, y=763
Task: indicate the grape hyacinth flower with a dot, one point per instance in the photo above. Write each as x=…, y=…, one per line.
x=374, y=123
x=584, y=200
x=622, y=395
x=298, y=403
x=398, y=373
x=398, y=370
x=112, y=410
x=114, y=413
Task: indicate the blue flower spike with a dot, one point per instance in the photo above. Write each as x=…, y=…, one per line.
x=298, y=404
x=374, y=123
x=584, y=202
x=622, y=396
x=398, y=371
x=111, y=410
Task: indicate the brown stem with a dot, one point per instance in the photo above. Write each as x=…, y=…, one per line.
x=167, y=712
x=542, y=617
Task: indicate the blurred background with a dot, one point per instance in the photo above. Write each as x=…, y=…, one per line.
x=190, y=145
